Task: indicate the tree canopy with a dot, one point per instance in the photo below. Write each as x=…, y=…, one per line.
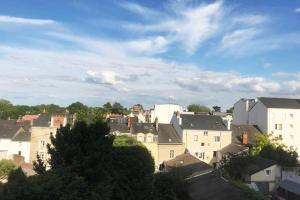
x=198, y=108
x=6, y=166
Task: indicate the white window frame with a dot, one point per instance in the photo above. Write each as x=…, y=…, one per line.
x=172, y=154
x=195, y=138
x=268, y=172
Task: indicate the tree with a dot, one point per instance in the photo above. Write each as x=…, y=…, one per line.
x=198, y=108
x=107, y=106
x=217, y=108
x=6, y=109
x=263, y=140
x=81, y=111
x=6, y=166
x=230, y=110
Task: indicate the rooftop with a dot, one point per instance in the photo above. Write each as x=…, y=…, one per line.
x=143, y=128
x=280, y=102
x=202, y=122
x=258, y=164
x=167, y=134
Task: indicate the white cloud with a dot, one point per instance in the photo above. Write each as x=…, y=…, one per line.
x=251, y=19
x=150, y=45
x=139, y=9
x=25, y=21
x=267, y=65
x=297, y=10
x=190, y=27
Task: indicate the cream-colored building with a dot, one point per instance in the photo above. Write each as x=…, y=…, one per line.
x=277, y=116
x=41, y=131
x=202, y=135
x=161, y=140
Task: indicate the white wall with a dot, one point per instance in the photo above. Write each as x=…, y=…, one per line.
x=240, y=111
x=164, y=112
x=290, y=126
x=13, y=147
x=258, y=115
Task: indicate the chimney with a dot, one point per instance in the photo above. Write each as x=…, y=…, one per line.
x=228, y=124
x=245, y=138
x=129, y=122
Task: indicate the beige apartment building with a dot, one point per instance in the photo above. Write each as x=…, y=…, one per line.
x=202, y=135
x=41, y=131
x=161, y=140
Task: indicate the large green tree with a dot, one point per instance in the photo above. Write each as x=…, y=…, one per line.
x=198, y=108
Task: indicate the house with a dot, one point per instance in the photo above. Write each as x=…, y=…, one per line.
x=186, y=164
x=163, y=113
x=262, y=174
x=161, y=140
x=202, y=135
x=243, y=137
x=169, y=144
x=14, y=139
x=41, y=130
x=277, y=116
x=119, y=128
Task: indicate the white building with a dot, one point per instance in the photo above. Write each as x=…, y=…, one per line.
x=14, y=139
x=202, y=135
x=278, y=116
x=164, y=112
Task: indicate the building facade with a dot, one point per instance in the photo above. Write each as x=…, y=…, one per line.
x=277, y=116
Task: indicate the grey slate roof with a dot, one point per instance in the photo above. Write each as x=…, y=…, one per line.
x=16, y=131
x=211, y=187
x=167, y=134
x=290, y=186
x=233, y=148
x=202, y=122
x=258, y=164
x=44, y=120
x=143, y=128
x=280, y=102
x=121, y=127
x=187, y=165
x=238, y=130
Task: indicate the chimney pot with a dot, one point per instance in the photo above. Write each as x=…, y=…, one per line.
x=245, y=138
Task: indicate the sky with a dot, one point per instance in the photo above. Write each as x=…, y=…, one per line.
x=148, y=51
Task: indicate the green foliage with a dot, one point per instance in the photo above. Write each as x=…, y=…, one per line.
x=198, y=108
x=39, y=166
x=270, y=147
x=286, y=158
x=233, y=165
x=6, y=109
x=124, y=141
x=230, y=110
x=6, y=166
x=169, y=186
x=81, y=111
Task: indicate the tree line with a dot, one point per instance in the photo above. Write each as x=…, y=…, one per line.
x=84, y=112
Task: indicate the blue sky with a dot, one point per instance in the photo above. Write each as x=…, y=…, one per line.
x=184, y=51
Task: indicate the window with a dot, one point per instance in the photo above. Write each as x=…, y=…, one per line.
x=291, y=125
x=292, y=136
x=215, y=154
x=280, y=137
x=205, y=133
x=202, y=144
x=202, y=155
x=275, y=126
x=217, y=138
x=195, y=138
x=19, y=153
x=42, y=155
x=140, y=138
x=149, y=138
x=291, y=115
x=196, y=153
x=42, y=144
x=280, y=126
x=268, y=172
x=171, y=153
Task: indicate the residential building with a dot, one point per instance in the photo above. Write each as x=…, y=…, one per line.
x=161, y=140
x=277, y=116
x=14, y=139
x=262, y=175
x=119, y=128
x=202, y=135
x=163, y=113
x=169, y=144
x=243, y=137
x=289, y=190
x=43, y=127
